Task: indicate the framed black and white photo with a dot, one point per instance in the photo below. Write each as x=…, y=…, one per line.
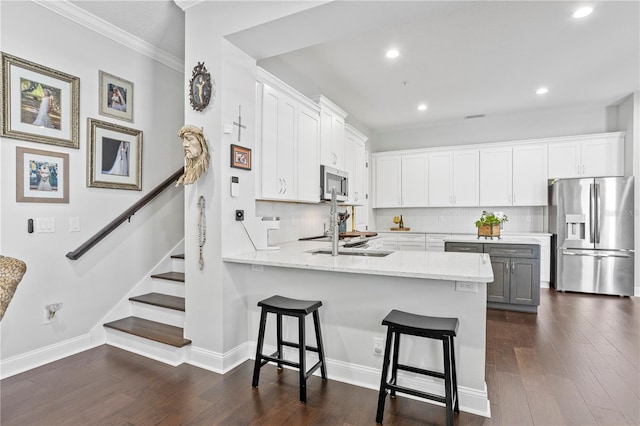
x=114, y=156
x=116, y=97
x=39, y=104
x=41, y=176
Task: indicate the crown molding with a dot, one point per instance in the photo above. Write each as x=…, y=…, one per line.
x=100, y=26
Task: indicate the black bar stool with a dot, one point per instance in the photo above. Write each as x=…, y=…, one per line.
x=444, y=329
x=295, y=308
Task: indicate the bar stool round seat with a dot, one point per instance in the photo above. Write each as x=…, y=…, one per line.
x=444, y=329
x=280, y=305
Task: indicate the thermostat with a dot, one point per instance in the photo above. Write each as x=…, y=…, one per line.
x=235, y=186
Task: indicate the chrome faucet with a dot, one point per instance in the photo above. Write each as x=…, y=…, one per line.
x=335, y=231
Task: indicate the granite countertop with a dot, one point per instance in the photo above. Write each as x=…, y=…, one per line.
x=409, y=264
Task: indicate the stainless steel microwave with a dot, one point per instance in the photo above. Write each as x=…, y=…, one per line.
x=334, y=178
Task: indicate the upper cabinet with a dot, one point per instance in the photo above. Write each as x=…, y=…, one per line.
x=387, y=180
x=400, y=180
x=513, y=176
x=414, y=180
x=355, y=165
x=332, y=131
x=453, y=178
x=278, y=145
x=288, y=148
x=587, y=156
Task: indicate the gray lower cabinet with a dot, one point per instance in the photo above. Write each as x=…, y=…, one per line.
x=516, y=273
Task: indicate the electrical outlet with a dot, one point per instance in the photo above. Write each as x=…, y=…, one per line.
x=239, y=215
x=469, y=287
x=378, y=346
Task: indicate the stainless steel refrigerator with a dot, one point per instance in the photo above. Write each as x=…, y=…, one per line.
x=592, y=225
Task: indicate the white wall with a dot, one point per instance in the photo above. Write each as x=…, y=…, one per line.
x=511, y=127
x=215, y=304
x=91, y=286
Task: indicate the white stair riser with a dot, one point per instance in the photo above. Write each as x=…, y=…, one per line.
x=158, y=314
x=177, y=265
x=171, y=288
x=148, y=348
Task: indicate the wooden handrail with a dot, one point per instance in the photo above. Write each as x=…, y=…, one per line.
x=75, y=255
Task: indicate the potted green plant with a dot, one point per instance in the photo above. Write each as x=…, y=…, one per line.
x=489, y=224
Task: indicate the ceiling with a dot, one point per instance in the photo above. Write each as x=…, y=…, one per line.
x=461, y=58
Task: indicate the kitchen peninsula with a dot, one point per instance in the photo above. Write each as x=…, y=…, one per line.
x=357, y=291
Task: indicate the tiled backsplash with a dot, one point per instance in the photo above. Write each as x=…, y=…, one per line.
x=459, y=219
x=307, y=220
x=296, y=220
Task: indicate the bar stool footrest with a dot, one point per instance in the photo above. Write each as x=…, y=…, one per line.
x=417, y=393
x=297, y=346
x=421, y=371
x=266, y=359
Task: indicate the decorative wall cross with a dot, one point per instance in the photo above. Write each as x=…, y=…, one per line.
x=239, y=123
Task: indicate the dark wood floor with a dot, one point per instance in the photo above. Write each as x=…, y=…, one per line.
x=575, y=363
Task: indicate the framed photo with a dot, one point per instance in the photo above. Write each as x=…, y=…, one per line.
x=41, y=176
x=240, y=157
x=114, y=156
x=39, y=104
x=116, y=97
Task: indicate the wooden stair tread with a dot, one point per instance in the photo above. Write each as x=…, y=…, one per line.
x=151, y=330
x=177, y=256
x=171, y=276
x=162, y=300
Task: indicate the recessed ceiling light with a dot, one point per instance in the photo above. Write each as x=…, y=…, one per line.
x=542, y=91
x=392, y=53
x=582, y=12
x=422, y=107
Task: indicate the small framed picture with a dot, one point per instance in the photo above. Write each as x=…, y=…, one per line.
x=114, y=156
x=41, y=176
x=240, y=157
x=39, y=104
x=116, y=97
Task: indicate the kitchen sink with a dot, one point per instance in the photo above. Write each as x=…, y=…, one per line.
x=354, y=253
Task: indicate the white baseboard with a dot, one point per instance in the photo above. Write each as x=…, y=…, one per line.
x=219, y=363
x=29, y=360
x=474, y=401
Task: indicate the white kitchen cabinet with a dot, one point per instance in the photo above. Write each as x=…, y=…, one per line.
x=332, y=133
x=414, y=180
x=401, y=240
x=278, y=145
x=355, y=162
x=587, y=156
x=453, y=178
x=496, y=176
x=288, y=143
x=530, y=175
x=308, y=154
x=387, y=180
x=514, y=176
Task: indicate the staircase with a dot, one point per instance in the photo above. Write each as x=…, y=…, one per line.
x=155, y=328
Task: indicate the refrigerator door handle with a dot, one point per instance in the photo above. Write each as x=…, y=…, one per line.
x=572, y=253
x=592, y=202
x=596, y=215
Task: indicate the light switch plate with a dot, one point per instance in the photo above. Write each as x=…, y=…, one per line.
x=45, y=224
x=74, y=224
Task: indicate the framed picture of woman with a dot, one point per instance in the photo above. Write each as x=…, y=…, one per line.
x=116, y=97
x=41, y=176
x=114, y=156
x=39, y=104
